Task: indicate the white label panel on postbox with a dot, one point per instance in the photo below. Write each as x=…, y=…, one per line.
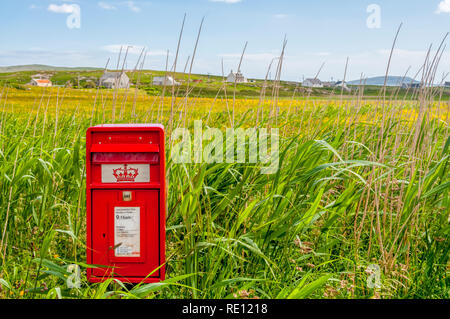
x=125, y=173
x=127, y=232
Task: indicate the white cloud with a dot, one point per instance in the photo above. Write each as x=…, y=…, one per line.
x=45, y=56
x=249, y=56
x=281, y=16
x=226, y=1
x=133, y=49
x=132, y=6
x=64, y=8
x=106, y=6
x=115, y=48
x=158, y=53
x=443, y=7
x=416, y=55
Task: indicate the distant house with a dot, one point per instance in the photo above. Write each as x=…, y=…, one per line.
x=164, y=80
x=447, y=84
x=342, y=84
x=411, y=85
x=328, y=84
x=115, y=80
x=312, y=83
x=41, y=82
x=236, y=77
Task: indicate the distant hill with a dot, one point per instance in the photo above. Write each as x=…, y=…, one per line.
x=41, y=67
x=379, y=80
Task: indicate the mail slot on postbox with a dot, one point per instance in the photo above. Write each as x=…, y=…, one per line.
x=125, y=195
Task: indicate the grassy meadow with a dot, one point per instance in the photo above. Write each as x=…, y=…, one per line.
x=362, y=185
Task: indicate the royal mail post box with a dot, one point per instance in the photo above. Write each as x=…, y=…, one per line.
x=125, y=185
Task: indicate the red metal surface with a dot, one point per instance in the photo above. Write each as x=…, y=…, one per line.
x=125, y=144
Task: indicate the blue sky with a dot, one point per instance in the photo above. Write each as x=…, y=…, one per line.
x=320, y=31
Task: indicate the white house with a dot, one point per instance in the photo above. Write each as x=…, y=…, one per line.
x=447, y=84
x=236, y=77
x=115, y=80
x=164, y=80
x=312, y=83
x=342, y=84
x=41, y=82
x=328, y=84
x=411, y=85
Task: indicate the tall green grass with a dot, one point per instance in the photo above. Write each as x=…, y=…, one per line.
x=357, y=185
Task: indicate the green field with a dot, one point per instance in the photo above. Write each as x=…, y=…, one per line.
x=212, y=85
x=361, y=193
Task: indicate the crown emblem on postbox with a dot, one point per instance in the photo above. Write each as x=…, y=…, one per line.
x=125, y=174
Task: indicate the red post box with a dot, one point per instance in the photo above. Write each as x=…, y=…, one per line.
x=126, y=202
